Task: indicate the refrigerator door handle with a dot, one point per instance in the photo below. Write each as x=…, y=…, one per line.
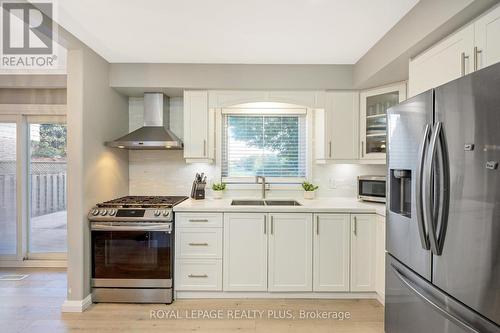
x=422, y=229
x=440, y=308
x=444, y=195
x=428, y=187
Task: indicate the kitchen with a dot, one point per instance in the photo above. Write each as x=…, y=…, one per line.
x=285, y=225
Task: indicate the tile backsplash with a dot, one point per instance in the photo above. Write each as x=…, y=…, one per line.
x=165, y=172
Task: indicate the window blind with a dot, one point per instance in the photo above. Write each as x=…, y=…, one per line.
x=264, y=145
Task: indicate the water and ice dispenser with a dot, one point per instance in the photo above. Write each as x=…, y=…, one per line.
x=400, y=189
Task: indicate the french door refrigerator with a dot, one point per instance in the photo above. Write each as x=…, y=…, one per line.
x=443, y=215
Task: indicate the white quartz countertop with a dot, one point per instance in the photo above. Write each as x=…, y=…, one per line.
x=319, y=205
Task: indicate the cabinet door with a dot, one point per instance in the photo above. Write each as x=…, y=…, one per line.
x=196, y=123
x=380, y=254
x=444, y=62
x=487, y=35
x=363, y=252
x=373, y=119
x=290, y=252
x=245, y=252
x=331, y=252
x=336, y=128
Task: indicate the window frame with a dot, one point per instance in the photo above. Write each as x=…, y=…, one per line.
x=249, y=182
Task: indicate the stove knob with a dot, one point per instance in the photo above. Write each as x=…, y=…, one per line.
x=104, y=212
x=166, y=213
x=112, y=212
x=157, y=213
x=95, y=212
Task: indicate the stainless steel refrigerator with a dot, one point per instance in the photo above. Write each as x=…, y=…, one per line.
x=443, y=209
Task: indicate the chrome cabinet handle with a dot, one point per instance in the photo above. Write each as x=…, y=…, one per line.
x=476, y=57
x=204, y=147
x=265, y=224
x=330, y=149
x=362, y=149
x=272, y=225
x=198, y=244
x=463, y=57
x=198, y=275
x=424, y=238
x=355, y=231
x=439, y=308
x=317, y=224
x=198, y=220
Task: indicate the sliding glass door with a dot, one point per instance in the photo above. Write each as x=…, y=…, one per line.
x=33, y=188
x=8, y=188
x=47, y=188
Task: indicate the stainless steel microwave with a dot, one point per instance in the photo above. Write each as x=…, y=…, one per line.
x=371, y=188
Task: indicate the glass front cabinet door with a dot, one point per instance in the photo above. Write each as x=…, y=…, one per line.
x=373, y=120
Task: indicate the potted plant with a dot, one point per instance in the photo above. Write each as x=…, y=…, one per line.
x=309, y=190
x=218, y=189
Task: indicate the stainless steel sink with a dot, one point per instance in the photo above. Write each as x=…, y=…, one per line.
x=265, y=203
x=282, y=203
x=247, y=203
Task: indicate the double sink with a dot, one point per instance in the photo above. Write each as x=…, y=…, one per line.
x=265, y=203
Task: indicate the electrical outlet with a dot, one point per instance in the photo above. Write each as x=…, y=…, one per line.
x=332, y=184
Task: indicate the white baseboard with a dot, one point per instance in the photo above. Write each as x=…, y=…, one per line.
x=77, y=306
x=306, y=295
x=34, y=263
x=381, y=298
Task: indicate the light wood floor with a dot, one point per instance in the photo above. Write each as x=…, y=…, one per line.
x=34, y=304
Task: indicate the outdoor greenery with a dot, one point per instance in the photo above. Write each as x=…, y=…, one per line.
x=218, y=186
x=52, y=142
x=309, y=187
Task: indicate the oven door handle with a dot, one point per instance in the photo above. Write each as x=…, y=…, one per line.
x=108, y=227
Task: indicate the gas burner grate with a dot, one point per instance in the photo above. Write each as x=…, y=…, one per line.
x=144, y=201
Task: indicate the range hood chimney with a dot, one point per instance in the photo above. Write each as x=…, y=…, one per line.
x=155, y=134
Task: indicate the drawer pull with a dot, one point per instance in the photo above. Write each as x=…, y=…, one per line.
x=198, y=220
x=198, y=275
x=198, y=244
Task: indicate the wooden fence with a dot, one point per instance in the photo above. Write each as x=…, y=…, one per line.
x=47, y=187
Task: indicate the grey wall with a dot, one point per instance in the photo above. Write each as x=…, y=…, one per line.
x=96, y=113
x=202, y=76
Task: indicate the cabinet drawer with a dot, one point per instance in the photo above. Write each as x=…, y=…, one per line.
x=198, y=243
x=198, y=220
x=198, y=274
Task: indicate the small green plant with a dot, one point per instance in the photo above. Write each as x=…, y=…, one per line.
x=309, y=187
x=218, y=186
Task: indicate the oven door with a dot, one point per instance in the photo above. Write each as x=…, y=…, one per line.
x=132, y=255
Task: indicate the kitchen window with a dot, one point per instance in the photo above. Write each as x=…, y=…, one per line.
x=270, y=143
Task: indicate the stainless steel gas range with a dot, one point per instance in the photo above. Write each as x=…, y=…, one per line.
x=133, y=249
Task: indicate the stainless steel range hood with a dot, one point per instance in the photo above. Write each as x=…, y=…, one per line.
x=155, y=134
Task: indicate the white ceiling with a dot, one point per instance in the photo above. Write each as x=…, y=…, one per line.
x=231, y=31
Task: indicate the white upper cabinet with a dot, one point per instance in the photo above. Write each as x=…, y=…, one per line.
x=290, y=252
x=373, y=119
x=445, y=61
x=336, y=127
x=198, y=127
x=363, y=258
x=487, y=35
x=473, y=47
x=331, y=252
x=245, y=252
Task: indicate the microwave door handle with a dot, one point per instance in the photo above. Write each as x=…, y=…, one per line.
x=424, y=238
x=108, y=227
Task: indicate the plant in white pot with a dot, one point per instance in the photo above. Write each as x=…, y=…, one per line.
x=218, y=189
x=309, y=190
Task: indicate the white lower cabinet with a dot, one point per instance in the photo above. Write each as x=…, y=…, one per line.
x=290, y=252
x=331, y=252
x=363, y=266
x=380, y=261
x=245, y=252
x=198, y=275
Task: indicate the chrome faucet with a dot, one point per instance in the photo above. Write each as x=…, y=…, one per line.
x=263, y=184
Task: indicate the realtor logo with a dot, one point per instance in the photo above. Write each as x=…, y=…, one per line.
x=27, y=35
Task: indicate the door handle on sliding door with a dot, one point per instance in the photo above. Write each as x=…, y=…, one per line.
x=422, y=229
x=437, y=141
